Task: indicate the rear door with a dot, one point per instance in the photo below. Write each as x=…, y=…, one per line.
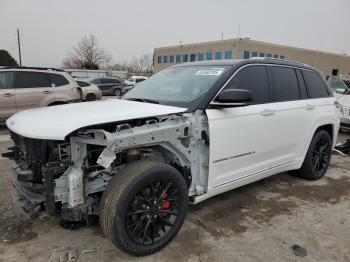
x=7, y=95
x=293, y=115
x=32, y=90
x=64, y=90
x=242, y=138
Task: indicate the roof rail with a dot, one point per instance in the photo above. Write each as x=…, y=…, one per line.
x=277, y=59
x=35, y=68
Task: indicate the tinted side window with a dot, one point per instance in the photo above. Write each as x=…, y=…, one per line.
x=302, y=86
x=57, y=80
x=106, y=81
x=315, y=85
x=96, y=81
x=6, y=80
x=139, y=80
x=115, y=80
x=30, y=79
x=82, y=83
x=110, y=81
x=285, y=83
x=254, y=79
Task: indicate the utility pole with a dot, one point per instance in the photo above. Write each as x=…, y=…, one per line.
x=19, y=48
x=239, y=30
x=222, y=35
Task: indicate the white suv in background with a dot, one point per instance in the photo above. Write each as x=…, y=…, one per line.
x=188, y=133
x=342, y=93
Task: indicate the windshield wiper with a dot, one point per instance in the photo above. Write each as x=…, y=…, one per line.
x=144, y=100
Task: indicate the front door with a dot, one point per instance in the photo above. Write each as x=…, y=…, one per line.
x=7, y=95
x=241, y=138
x=32, y=90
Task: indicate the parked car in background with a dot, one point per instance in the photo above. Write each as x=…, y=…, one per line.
x=133, y=80
x=342, y=93
x=88, y=91
x=24, y=88
x=109, y=85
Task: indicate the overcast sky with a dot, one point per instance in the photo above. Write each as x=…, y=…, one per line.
x=49, y=29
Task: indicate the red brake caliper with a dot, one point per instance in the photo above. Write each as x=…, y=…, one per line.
x=165, y=204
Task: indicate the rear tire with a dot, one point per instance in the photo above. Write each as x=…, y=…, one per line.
x=318, y=157
x=144, y=207
x=117, y=92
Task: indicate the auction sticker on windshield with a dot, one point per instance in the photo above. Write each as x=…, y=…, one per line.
x=210, y=72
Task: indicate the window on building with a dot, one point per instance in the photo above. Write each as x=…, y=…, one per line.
x=200, y=56
x=165, y=59
x=262, y=54
x=30, y=80
x=228, y=54
x=218, y=55
x=282, y=56
x=209, y=56
x=254, y=79
x=178, y=58
x=286, y=84
x=159, y=59
x=185, y=58
x=193, y=57
x=275, y=56
x=315, y=85
x=269, y=55
x=254, y=54
x=171, y=59
x=246, y=54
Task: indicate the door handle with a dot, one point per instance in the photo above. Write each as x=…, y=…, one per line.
x=267, y=112
x=310, y=107
x=47, y=92
x=8, y=95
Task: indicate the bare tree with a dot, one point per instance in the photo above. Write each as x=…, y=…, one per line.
x=142, y=65
x=87, y=55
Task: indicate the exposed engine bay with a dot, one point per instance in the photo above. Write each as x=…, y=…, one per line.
x=67, y=178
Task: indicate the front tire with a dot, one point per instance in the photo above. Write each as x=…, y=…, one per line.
x=144, y=207
x=318, y=157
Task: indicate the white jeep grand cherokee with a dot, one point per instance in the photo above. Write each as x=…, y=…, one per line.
x=188, y=133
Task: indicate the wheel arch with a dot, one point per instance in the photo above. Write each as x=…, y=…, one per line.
x=174, y=158
x=55, y=103
x=329, y=128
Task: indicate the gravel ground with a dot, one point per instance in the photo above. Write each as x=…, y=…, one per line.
x=281, y=218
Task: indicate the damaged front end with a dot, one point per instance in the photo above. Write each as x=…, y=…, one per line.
x=68, y=178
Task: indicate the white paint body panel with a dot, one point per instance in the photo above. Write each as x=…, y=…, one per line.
x=56, y=122
x=247, y=145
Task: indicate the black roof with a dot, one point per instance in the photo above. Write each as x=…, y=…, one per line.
x=240, y=62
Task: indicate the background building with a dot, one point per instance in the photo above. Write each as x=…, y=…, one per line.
x=239, y=48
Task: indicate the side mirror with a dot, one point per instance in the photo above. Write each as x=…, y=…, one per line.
x=340, y=90
x=233, y=97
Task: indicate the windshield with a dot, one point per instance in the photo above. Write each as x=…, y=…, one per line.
x=337, y=85
x=178, y=85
